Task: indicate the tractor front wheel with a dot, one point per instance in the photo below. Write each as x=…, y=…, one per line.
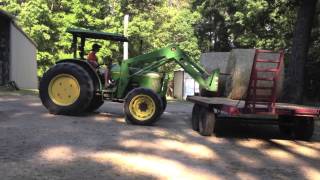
x=142, y=107
x=66, y=89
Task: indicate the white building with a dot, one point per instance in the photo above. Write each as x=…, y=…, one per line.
x=17, y=55
x=184, y=85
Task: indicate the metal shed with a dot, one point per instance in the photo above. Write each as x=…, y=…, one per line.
x=17, y=55
x=184, y=85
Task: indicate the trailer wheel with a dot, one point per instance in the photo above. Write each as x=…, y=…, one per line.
x=195, y=117
x=142, y=107
x=96, y=102
x=304, y=128
x=206, y=122
x=286, y=130
x=286, y=125
x=66, y=88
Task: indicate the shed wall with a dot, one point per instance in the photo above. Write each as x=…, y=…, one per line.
x=23, y=60
x=4, y=50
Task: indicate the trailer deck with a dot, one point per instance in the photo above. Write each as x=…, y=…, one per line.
x=235, y=108
x=293, y=120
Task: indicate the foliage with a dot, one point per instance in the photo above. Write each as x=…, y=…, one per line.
x=197, y=25
x=245, y=24
x=46, y=21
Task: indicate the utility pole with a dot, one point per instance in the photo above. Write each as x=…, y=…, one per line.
x=125, y=32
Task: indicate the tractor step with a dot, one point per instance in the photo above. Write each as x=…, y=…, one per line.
x=110, y=90
x=107, y=93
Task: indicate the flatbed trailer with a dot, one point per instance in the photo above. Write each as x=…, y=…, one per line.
x=292, y=119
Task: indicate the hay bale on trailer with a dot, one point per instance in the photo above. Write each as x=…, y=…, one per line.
x=237, y=83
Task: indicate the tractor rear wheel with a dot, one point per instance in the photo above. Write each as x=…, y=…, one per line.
x=66, y=89
x=96, y=102
x=164, y=103
x=142, y=107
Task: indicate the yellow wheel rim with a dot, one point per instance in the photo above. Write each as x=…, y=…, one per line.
x=142, y=107
x=64, y=89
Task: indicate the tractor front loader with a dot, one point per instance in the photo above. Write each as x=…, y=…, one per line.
x=73, y=86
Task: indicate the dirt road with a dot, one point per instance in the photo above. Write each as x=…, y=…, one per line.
x=38, y=145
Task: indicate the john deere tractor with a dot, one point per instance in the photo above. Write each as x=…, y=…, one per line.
x=73, y=86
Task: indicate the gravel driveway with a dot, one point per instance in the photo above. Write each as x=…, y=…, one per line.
x=37, y=145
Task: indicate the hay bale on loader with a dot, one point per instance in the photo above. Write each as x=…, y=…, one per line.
x=237, y=83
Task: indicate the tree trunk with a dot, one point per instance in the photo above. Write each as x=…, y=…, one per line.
x=301, y=37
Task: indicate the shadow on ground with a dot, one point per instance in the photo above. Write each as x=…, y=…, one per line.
x=37, y=145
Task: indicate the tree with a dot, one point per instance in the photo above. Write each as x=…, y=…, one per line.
x=169, y=23
x=295, y=76
x=226, y=24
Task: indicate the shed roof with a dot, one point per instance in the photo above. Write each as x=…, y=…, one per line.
x=5, y=14
x=11, y=18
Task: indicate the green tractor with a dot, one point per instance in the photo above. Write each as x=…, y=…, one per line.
x=73, y=86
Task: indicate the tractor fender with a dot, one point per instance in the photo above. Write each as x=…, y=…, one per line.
x=92, y=72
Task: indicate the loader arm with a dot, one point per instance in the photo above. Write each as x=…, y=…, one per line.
x=160, y=57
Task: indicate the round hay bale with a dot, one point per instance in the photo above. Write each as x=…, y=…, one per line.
x=217, y=60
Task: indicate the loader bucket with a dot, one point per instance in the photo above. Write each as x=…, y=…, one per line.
x=213, y=80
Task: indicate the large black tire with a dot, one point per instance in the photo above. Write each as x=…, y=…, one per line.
x=301, y=128
x=142, y=100
x=206, y=121
x=286, y=125
x=164, y=103
x=286, y=130
x=85, y=90
x=304, y=128
x=195, y=117
x=96, y=102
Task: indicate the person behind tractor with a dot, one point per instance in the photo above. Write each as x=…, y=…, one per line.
x=93, y=60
